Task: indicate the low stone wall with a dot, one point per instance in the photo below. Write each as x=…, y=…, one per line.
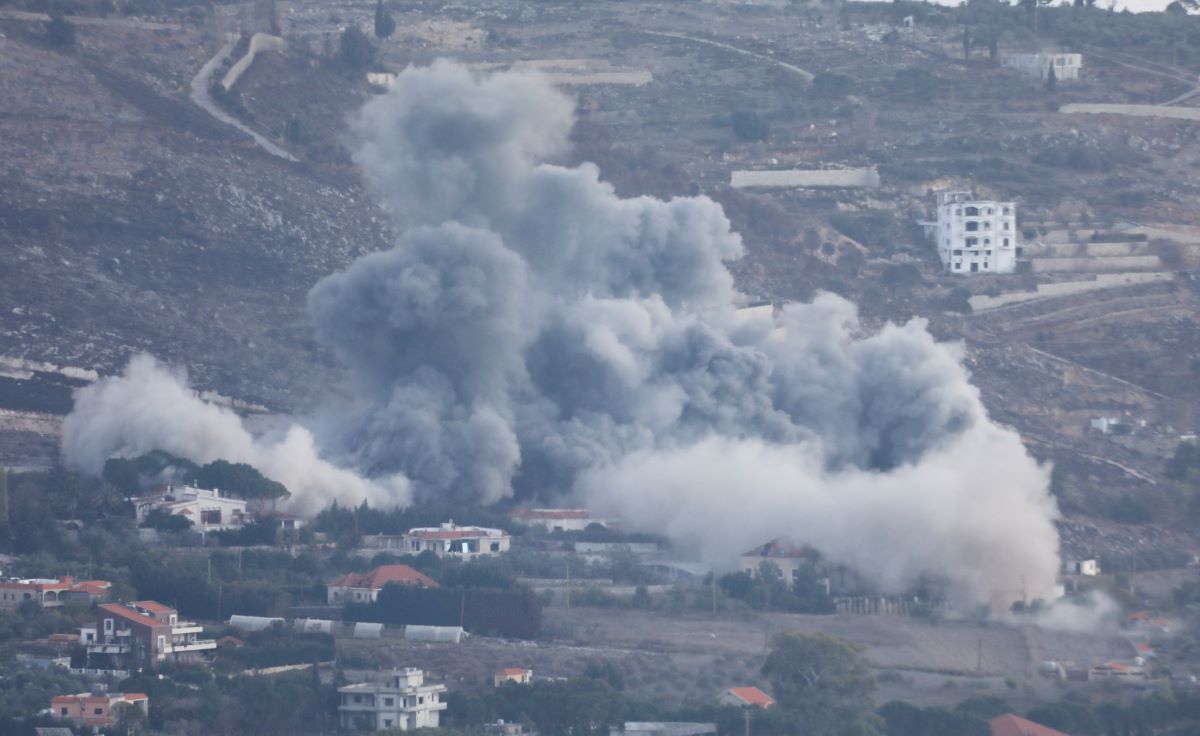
x=1095, y=265
x=858, y=178
x=1144, y=111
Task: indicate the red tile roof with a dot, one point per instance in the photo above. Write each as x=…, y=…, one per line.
x=752, y=696
x=155, y=607
x=512, y=671
x=1010, y=724
x=446, y=534
x=382, y=575
x=130, y=614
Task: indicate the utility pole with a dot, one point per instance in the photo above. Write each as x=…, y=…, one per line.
x=568, y=590
x=979, y=655
x=713, y=574
x=746, y=715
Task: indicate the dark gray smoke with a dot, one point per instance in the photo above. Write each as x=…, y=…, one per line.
x=534, y=333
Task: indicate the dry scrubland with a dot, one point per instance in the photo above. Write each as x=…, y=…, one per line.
x=688, y=657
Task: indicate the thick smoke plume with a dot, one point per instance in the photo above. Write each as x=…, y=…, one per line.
x=150, y=407
x=534, y=333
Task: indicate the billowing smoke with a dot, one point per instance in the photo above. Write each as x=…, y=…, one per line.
x=534, y=333
x=150, y=407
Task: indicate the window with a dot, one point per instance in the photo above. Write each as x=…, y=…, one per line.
x=987, y=225
x=1004, y=212
x=387, y=722
x=1006, y=226
x=98, y=711
x=162, y=643
x=957, y=253
x=985, y=264
x=972, y=226
x=972, y=242
x=972, y=212
x=1006, y=242
x=64, y=711
x=958, y=267
x=990, y=210
x=389, y=701
x=211, y=516
x=108, y=625
x=173, y=619
x=987, y=241
x=987, y=252
x=974, y=268
x=495, y=546
x=958, y=213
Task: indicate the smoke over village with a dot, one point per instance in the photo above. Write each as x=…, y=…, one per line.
x=532, y=334
x=607, y=368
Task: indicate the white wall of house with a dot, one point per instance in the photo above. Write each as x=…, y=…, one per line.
x=976, y=236
x=404, y=702
x=1066, y=66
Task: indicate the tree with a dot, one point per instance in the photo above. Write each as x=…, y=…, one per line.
x=824, y=683
x=355, y=49
x=1051, y=79
x=828, y=86
x=60, y=32
x=748, y=126
x=239, y=479
x=385, y=24
x=3, y=496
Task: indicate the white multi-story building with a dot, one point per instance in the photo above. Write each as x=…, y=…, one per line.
x=975, y=235
x=1066, y=66
x=403, y=702
x=451, y=540
x=207, y=509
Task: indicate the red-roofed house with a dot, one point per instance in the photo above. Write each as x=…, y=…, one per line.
x=52, y=592
x=555, y=520
x=451, y=540
x=746, y=697
x=130, y=636
x=96, y=709
x=1118, y=672
x=1010, y=724
x=364, y=587
x=519, y=675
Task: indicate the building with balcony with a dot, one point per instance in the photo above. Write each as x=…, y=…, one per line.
x=52, y=592
x=97, y=709
x=132, y=636
x=404, y=701
x=451, y=540
x=974, y=235
x=208, y=510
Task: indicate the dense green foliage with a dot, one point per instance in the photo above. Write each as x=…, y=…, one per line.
x=824, y=683
x=385, y=24
x=768, y=591
x=355, y=49
x=238, y=479
x=748, y=126
x=510, y=613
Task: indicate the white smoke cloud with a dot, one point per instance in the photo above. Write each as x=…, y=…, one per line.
x=150, y=407
x=533, y=333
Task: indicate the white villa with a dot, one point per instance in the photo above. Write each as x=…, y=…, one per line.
x=451, y=540
x=208, y=510
x=404, y=702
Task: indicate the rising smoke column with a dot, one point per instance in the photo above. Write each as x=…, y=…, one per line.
x=150, y=407
x=532, y=332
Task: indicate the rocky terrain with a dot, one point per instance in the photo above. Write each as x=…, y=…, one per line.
x=132, y=220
